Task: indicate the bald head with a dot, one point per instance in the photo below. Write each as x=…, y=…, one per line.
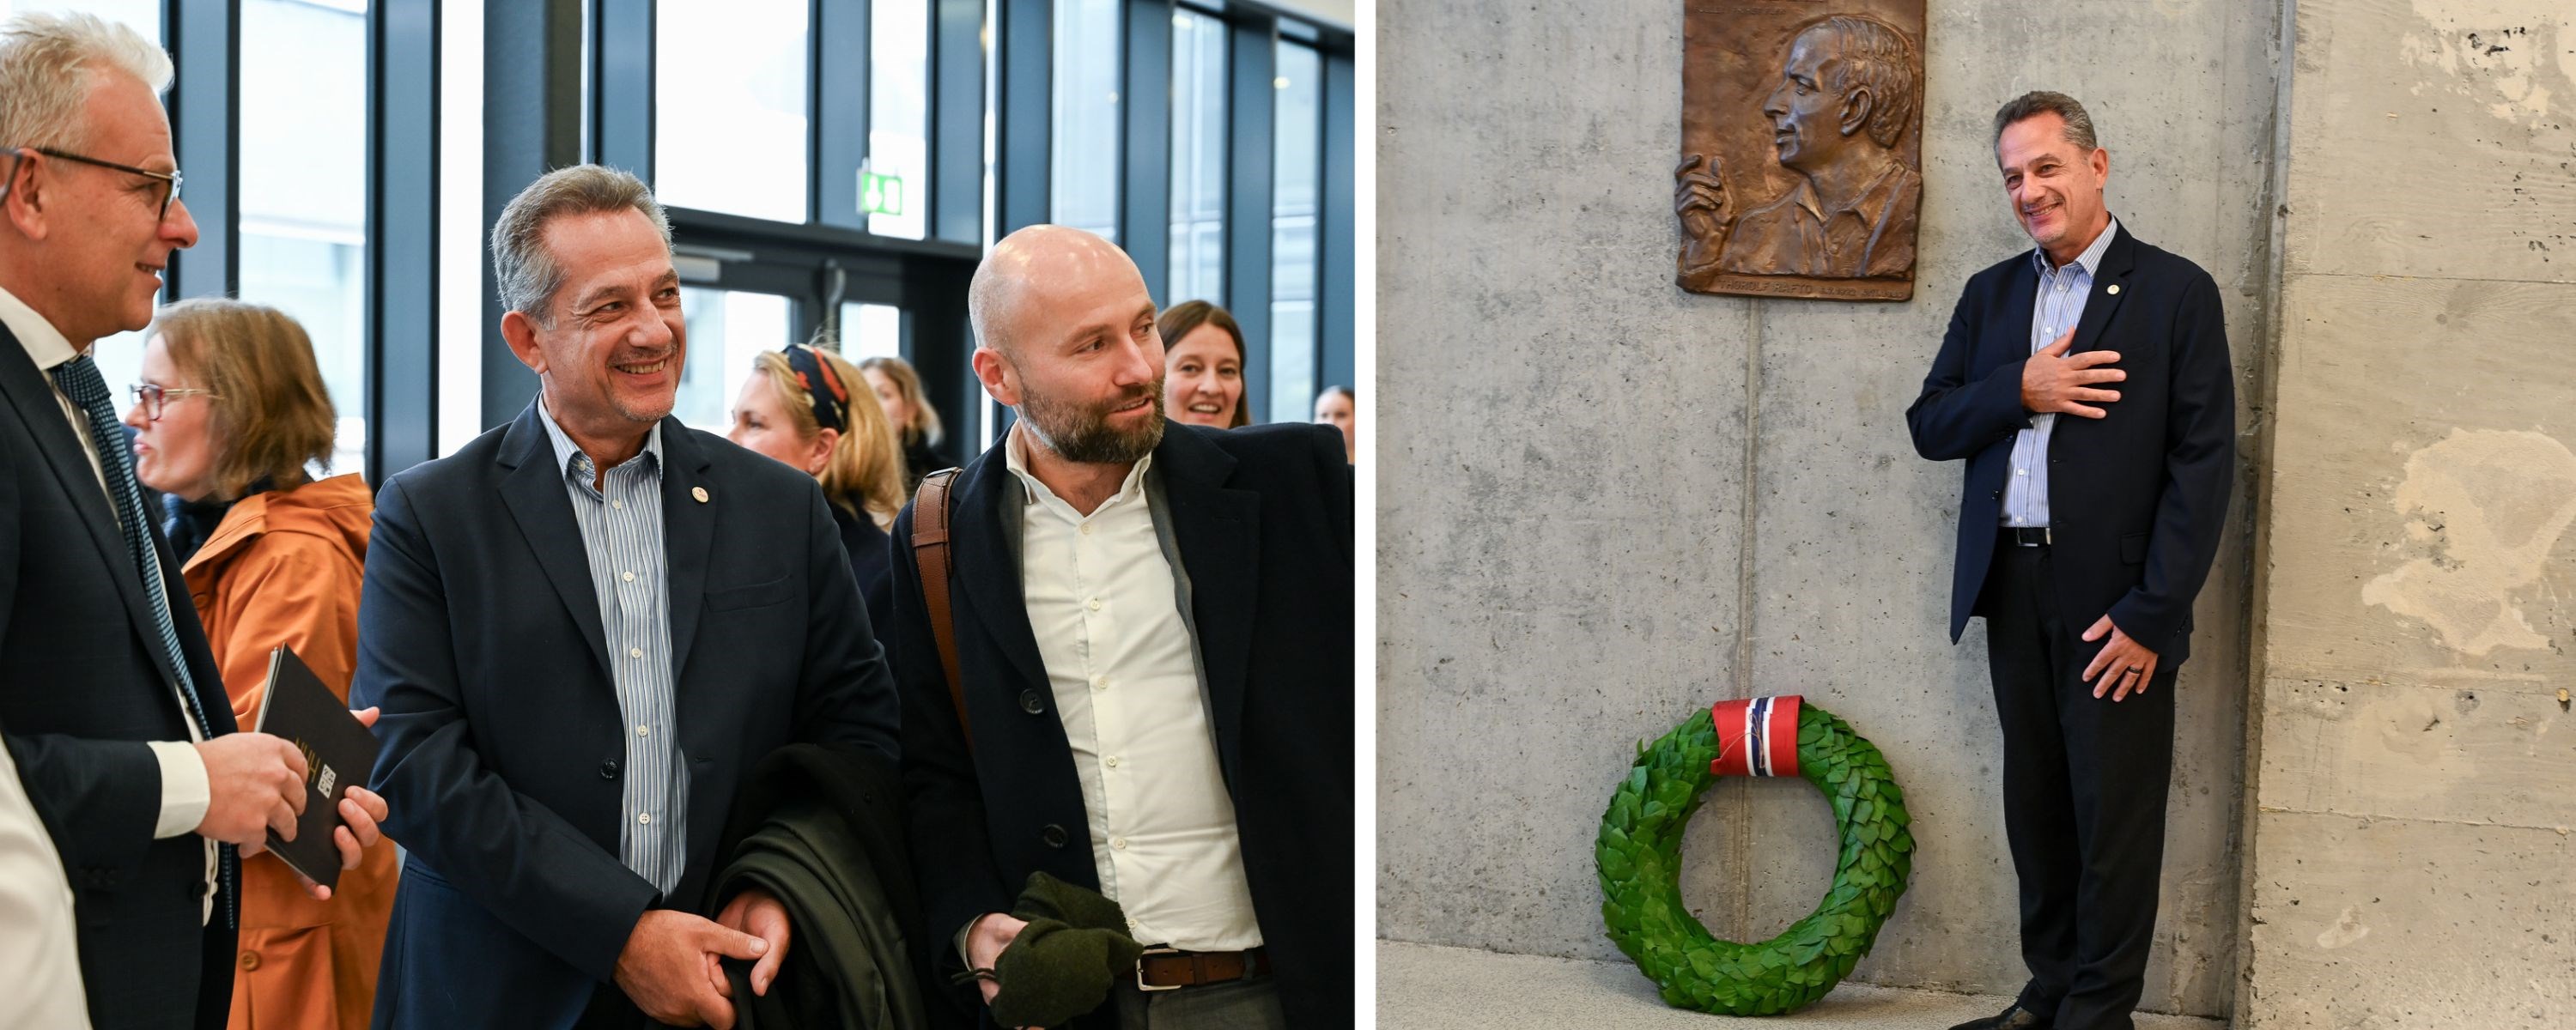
x=1068, y=337
x=1041, y=276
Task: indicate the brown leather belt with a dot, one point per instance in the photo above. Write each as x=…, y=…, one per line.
x=1170, y=969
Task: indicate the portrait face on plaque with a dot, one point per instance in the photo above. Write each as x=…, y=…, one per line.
x=1802, y=148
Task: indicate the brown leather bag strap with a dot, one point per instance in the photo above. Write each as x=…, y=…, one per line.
x=930, y=552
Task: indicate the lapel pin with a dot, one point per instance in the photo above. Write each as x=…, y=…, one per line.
x=700, y=492
x=2115, y=291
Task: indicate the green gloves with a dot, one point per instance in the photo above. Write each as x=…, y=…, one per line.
x=1064, y=963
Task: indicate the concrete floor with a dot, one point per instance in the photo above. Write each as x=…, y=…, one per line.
x=1429, y=987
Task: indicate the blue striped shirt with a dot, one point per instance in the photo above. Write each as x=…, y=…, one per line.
x=2063, y=290
x=621, y=529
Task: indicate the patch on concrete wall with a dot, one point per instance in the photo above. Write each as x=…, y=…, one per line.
x=2347, y=929
x=2517, y=64
x=2487, y=507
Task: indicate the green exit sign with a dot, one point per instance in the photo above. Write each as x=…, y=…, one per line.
x=880, y=194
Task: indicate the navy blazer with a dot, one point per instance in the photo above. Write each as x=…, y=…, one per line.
x=84, y=683
x=2137, y=499
x=1262, y=519
x=479, y=634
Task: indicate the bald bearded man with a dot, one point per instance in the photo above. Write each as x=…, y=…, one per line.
x=1153, y=632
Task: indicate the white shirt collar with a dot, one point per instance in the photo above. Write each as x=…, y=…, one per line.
x=44, y=343
x=1015, y=458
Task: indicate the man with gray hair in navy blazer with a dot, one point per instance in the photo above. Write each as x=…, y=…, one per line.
x=2087, y=385
x=585, y=627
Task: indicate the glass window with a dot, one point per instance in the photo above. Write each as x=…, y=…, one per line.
x=1198, y=158
x=1090, y=54
x=1297, y=191
x=726, y=328
x=729, y=100
x=871, y=331
x=303, y=219
x=119, y=357
x=460, y=224
x=899, y=116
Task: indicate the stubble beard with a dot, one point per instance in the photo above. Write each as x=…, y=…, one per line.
x=1081, y=433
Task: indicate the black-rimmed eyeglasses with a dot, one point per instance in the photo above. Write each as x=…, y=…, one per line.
x=170, y=178
x=153, y=397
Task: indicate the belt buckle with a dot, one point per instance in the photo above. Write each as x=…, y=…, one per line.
x=1141, y=985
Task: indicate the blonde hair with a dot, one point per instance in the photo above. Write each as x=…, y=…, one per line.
x=271, y=414
x=864, y=474
x=924, y=423
x=48, y=64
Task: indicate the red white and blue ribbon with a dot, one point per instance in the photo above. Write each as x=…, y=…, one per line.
x=1756, y=736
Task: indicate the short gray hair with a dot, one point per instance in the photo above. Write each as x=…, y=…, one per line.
x=527, y=271
x=2079, y=125
x=48, y=64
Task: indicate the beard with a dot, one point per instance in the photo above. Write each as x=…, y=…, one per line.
x=1079, y=432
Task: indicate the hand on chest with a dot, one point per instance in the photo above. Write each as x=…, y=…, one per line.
x=2089, y=354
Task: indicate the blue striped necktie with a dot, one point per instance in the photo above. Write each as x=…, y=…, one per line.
x=80, y=381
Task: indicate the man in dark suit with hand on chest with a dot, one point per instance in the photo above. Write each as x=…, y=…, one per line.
x=2087, y=386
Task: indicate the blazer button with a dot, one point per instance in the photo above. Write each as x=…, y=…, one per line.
x=1031, y=703
x=608, y=769
x=249, y=960
x=1053, y=835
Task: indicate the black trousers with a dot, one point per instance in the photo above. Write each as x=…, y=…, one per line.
x=2084, y=800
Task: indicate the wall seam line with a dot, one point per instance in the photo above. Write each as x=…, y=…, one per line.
x=1739, y=821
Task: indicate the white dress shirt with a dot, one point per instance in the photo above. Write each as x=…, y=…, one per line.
x=36, y=953
x=185, y=792
x=1103, y=604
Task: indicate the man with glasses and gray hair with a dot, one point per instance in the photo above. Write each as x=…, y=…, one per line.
x=116, y=715
x=586, y=628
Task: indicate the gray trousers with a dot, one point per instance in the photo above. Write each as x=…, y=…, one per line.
x=1251, y=1003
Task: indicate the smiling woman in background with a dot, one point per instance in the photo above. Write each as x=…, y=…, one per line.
x=229, y=416
x=1203, y=366
x=796, y=408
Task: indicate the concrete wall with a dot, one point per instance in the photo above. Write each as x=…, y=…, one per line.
x=2411, y=860
x=1604, y=502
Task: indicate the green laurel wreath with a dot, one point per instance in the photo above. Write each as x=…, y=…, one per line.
x=1639, y=853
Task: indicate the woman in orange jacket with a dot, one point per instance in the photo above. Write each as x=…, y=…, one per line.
x=229, y=417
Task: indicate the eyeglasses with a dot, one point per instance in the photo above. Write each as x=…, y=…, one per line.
x=153, y=397
x=170, y=177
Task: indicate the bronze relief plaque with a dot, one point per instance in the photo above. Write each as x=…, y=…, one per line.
x=1802, y=147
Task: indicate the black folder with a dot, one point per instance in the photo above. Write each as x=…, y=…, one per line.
x=338, y=753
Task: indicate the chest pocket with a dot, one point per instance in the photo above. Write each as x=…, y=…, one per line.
x=756, y=595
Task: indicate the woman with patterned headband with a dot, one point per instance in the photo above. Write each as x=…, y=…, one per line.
x=796, y=408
